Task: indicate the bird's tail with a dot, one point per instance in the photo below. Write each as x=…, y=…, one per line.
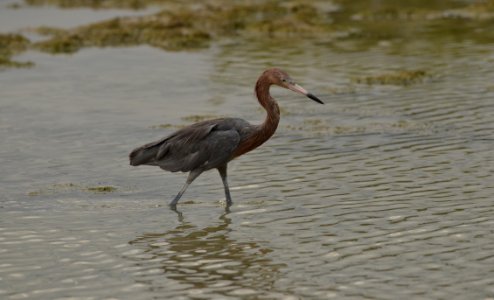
x=143, y=155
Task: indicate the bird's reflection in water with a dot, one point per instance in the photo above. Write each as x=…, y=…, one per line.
x=206, y=258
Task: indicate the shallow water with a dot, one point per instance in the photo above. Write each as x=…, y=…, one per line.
x=384, y=192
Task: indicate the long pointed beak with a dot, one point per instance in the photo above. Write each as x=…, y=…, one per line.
x=298, y=89
x=314, y=98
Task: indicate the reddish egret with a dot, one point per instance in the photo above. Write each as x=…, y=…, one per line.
x=212, y=144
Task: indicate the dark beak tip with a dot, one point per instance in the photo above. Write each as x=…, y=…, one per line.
x=311, y=96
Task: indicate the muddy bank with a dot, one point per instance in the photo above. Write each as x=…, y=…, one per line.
x=340, y=25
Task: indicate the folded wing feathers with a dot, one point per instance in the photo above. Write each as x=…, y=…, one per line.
x=182, y=141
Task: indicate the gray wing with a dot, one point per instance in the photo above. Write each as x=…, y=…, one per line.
x=203, y=145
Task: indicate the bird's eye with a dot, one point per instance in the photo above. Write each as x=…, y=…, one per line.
x=284, y=80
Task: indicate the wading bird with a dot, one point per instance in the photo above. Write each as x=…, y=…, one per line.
x=212, y=144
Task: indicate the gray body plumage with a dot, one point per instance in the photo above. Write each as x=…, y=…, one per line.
x=200, y=146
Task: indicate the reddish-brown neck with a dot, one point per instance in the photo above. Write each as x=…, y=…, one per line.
x=272, y=109
x=265, y=130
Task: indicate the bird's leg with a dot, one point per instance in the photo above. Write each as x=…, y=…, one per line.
x=222, y=171
x=192, y=175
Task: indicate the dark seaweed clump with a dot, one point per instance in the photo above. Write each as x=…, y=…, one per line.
x=404, y=77
x=168, y=33
x=102, y=189
x=71, y=187
x=11, y=44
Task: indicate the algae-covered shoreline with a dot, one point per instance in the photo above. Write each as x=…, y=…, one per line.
x=189, y=27
x=185, y=26
x=11, y=44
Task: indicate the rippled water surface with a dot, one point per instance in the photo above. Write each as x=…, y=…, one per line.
x=384, y=192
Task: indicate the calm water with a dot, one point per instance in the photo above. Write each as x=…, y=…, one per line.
x=384, y=192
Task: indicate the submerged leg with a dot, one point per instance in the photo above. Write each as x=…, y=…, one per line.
x=222, y=171
x=192, y=175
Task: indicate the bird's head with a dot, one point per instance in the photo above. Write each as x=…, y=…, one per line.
x=281, y=78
